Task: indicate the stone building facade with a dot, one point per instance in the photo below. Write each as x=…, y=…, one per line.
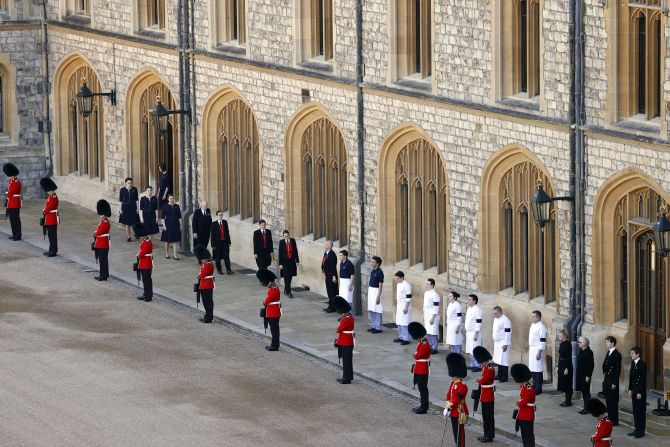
x=464, y=110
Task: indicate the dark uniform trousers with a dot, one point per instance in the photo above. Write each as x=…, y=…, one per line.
x=347, y=363
x=264, y=259
x=274, y=331
x=331, y=289
x=527, y=434
x=538, y=378
x=488, y=419
x=208, y=303
x=222, y=251
x=640, y=413
x=15, y=221
x=459, y=432
x=52, y=234
x=147, y=282
x=421, y=381
x=503, y=372
x=612, y=402
x=103, y=259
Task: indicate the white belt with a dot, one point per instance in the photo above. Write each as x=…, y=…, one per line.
x=274, y=302
x=347, y=332
x=530, y=405
x=150, y=255
x=606, y=439
x=16, y=195
x=53, y=211
x=422, y=360
x=208, y=277
x=486, y=386
x=104, y=235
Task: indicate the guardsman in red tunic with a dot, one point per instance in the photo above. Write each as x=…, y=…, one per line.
x=486, y=395
x=13, y=201
x=603, y=434
x=272, y=311
x=455, y=405
x=345, y=339
x=421, y=366
x=526, y=403
x=145, y=260
x=50, y=213
x=101, y=239
x=206, y=282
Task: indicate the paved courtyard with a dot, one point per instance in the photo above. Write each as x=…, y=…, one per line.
x=224, y=357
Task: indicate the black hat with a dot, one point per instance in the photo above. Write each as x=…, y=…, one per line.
x=103, y=208
x=140, y=230
x=201, y=252
x=10, y=170
x=416, y=330
x=265, y=276
x=48, y=185
x=481, y=354
x=456, y=365
x=341, y=305
x=520, y=373
x=595, y=407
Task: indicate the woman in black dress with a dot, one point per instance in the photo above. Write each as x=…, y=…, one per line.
x=171, y=215
x=128, y=196
x=149, y=208
x=164, y=185
x=584, y=371
x=565, y=367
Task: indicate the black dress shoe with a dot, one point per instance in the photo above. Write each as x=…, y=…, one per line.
x=206, y=321
x=16, y=238
x=633, y=433
x=583, y=412
x=230, y=272
x=329, y=310
x=565, y=404
x=404, y=342
x=100, y=278
x=11, y=238
x=397, y=340
x=484, y=439
x=148, y=299
x=419, y=410
x=377, y=331
x=271, y=348
x=129, y=240
x=639, y=435
x=343, y=382
x=45, y=253
x=203, y=319
x=220, y=272
x=141, y=298
x=290, y=295
x=51, y=255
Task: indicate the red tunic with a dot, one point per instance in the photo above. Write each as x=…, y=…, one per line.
x=458, y=391
x=14, y=194
x=422, y=356
x=603, y=435
x=102, y=234
x=345, y=331
x=50, y=211
x=486, y=382
x=272, y=307
x=206, y=276
x=526, y=403
x=145, y=255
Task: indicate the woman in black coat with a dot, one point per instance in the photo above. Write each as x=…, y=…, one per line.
x=128, y=196
x=584, y=372
x=565, y=367
x=149, y=208
x=171, y=235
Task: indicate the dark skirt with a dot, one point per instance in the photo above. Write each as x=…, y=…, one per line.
x=129, y=214
x=172, y=234
x=150, y=221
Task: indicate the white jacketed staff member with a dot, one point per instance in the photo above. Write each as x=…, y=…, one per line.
x=375, y=296
x=502, y=343
x=431, y=314
x=403, y=312
x=473, y=329
x=537, y=344
x=454, y=318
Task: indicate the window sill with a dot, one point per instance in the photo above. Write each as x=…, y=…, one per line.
x=231, y=48
x=521, y=103
x=152, y=32
x=6, y=140
x=638, y=124
x=78, y=19
x=417, y=83
x=4, y=16
x=318, y=64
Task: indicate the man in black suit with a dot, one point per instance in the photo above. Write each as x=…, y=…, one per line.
x=221, y=243
x=263, y=249
x=202, y=224
x=288, y=261
x=329, y=269
x=611, y=374
x=637, y=391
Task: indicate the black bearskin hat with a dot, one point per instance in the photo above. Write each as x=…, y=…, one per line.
x=103, y=208
x=416, y=330
x=595, y=407
x=481, y=354
x=140, y=230
x=265, y=276
x=342, y=306
x=48, y=185
x=201, y=252
x=10, y=170
x=456, y=365
x=520, y=373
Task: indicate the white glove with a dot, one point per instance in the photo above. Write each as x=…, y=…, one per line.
x=445, y=412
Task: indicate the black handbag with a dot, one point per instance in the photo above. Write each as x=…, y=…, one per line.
x=92, y=246
x=135, y=267
x=263, y=312
x=41, y=221
x=196, y=287
x=515, y=413
x=476, y=394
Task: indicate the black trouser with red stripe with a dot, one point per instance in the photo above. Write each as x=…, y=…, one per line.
x=103, y=259
x=148, y=283
x=274, y=331
x=52, y=233
x=421, y=381
x=14, y=215
x=527, y=435
x=207, y=296
x=488, y=419
x=459, y=432
x=347, y=363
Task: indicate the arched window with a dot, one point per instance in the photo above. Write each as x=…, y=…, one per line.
x=239, y=170
x=84, y=135
x=421, y=198
x=324, y=174
x=527, y=252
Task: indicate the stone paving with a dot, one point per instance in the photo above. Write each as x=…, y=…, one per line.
x=305, y=326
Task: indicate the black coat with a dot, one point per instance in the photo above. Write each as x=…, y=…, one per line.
x=585, y=368
x=565, y=362
x=637, y=381
x=329, y=264
x=612, y=372
x=216, y=234
x=258, y=242
x=289, y=265
x=202, y=225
